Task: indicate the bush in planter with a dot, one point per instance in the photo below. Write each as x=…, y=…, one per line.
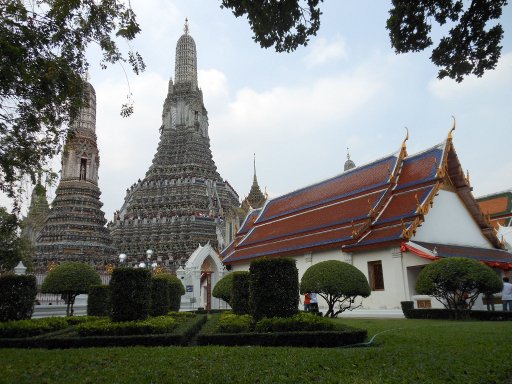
x=17, y=297
x=240, y=293
x=160, y=302
x=274, y=288
x=130, y=294
x=98, y=301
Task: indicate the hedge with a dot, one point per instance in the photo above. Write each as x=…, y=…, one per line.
x=181, y=336
x=105, y=327
x=443, y=314
x=98, y=301
x=130, y=293
x=17, y=296
x=274, y=288
x=291, y=339
x=29, y=328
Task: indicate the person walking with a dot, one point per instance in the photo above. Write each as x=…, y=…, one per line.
x=506, y=295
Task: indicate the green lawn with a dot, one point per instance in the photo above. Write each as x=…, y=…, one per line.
x=413, y=351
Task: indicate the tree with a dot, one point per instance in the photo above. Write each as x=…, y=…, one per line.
x=70, y=279
x=468, y=47
x=43, y=66
x=336, y=282
x=456, y=282
x=13, y=248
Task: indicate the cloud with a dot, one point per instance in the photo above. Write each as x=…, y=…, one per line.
x=323, y=51
x=214, y=85
x=300, y=108
x=471, y=87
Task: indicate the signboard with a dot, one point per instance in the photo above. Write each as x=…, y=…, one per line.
x=189, y=288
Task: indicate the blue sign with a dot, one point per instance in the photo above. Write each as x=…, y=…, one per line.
x=190, y=288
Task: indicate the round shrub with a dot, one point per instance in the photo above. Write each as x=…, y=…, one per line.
x=17, y=297
x=240, y=293
x=337, y=283
x=274, y=288
x=130, y=294
x=456, y=282
x=98, y=301
x=70, y=279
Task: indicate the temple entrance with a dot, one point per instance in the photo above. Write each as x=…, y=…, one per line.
x=202, y=271
x=207, y=268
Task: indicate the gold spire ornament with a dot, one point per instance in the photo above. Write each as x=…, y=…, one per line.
x=450, y=134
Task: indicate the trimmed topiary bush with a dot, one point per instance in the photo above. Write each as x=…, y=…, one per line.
x=98, y=301
x=456, y=282
x=176, y=290
x=70, y=279
x=224, y=287
x=335, y=282
x=17, y=295
x=240, y=293
x=130, y=294
x=160, y=302
x=274, y=288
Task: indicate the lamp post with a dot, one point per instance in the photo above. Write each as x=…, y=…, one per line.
x=148, y=264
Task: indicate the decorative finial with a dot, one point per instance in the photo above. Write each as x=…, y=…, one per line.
x=452, y=129
x=406, y=138
x=185, y=29
x=348, y=154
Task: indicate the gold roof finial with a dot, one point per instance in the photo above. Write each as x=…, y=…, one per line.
x=404, y=146
x=185, y=29
x=450, y=134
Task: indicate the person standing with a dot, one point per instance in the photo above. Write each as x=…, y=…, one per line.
x=314, y=302
x=506, y=295
x=307, y=301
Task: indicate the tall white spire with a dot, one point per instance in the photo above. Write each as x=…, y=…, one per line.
x=186, y=59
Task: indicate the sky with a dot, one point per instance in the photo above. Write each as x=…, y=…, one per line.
x=298, y=112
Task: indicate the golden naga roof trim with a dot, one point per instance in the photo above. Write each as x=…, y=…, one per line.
x=450, y=134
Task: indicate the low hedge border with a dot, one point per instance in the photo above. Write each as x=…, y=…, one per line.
x=180, y=336
x=444, y=314
x=324, y=339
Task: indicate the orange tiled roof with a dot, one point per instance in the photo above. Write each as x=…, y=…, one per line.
x=370, y=206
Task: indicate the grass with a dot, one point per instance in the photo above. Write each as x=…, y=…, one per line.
x=413, y=351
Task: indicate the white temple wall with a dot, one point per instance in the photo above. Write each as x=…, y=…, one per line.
x=449, y=222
